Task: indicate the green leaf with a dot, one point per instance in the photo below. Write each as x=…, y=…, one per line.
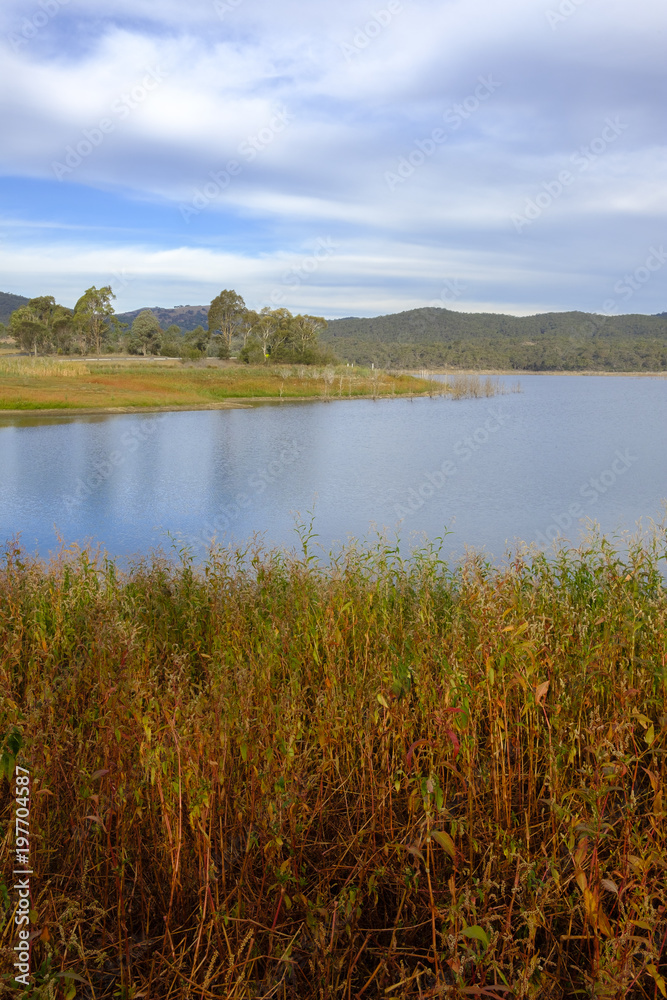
x=659, y=980
x=445, y=842
x=7, y=763
x=478, y=933
x=15, y=742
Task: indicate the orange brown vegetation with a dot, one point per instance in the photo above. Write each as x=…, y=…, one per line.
x=378, y=778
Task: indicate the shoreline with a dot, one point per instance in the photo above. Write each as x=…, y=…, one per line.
x=250, y=402
x=519, y=371
x=241, y=403
x=227, y=363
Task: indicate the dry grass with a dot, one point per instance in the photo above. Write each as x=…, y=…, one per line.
x=470, y=386
x=34, y=384
x=37, y=368
x=379, y=779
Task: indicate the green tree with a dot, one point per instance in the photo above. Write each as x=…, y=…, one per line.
x=43, y=307
x=172, y=342
x=195, y=343
x=42, y=325
x=272, y=329
x=147, y=331
x=92, y=315
x=248, y=320
x=305, y=331
x=62, y=329
x=29, y=332
x=247, y=324
x=226, y=315
x=221, y=347
x=277, y=335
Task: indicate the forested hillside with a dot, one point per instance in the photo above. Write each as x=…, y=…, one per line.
x=433, y=338
x=186, y=317
x=8, y=303
x=572, y=341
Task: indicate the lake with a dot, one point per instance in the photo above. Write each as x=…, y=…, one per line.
x=490, y=471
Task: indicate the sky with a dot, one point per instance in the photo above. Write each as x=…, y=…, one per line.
x=347, y=159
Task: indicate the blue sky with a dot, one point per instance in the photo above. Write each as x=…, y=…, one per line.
x=338, y=159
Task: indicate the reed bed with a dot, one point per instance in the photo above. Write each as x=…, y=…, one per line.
x=378, y=777
x=470, y=386
x=42, y=367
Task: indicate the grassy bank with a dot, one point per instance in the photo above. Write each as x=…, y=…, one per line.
x=382, y=779
x=43, y=384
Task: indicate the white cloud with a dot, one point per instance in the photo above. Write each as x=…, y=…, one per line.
x=361, y=277
x=353, y=119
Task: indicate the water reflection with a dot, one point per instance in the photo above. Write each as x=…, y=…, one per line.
x=490, y=470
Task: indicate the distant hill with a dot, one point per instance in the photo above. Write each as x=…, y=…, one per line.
x=187, y=317
x=445, y=325
x=8, y=303
x=569, y=341
x=432, y=338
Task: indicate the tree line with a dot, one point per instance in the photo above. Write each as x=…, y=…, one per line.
x=421, y=338
x=494, y=353
x=42, y=326
x=434, y=337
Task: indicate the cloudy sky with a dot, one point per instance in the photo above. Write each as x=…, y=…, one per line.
x=341, y=159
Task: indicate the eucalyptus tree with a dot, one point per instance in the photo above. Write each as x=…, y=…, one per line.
x=62, y=329
x=28, y=330
x=272, y=329
x=146, y=330
x=41, y=325
x=226, y=316
x=305, y=331
x=92, y=314
x=246, y=324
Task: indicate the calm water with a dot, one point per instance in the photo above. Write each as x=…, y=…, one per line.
x=518, y=466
